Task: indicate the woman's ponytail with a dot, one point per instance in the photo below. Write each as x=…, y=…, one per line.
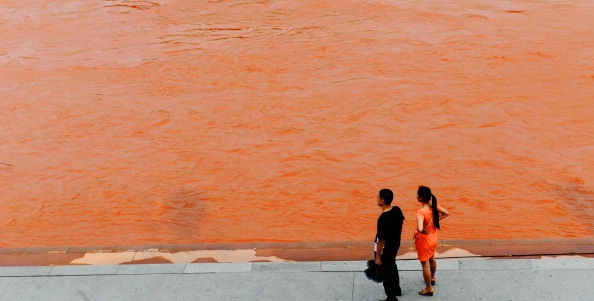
x=435, y=211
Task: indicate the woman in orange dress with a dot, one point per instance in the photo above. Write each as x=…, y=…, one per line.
x=428, y=218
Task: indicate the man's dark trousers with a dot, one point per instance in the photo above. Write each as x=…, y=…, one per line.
x=391, y=279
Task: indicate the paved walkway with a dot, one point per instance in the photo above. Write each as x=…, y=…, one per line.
x=560, y=278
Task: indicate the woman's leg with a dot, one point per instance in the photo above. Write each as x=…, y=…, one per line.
x=433, y=266
x=426, y=275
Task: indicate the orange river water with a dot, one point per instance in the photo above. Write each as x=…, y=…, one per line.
x=129, y=122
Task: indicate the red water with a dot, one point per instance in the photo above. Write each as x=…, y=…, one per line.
x=135, y=122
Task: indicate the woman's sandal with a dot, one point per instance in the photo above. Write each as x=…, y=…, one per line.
x=432, y=281
x=429, y=293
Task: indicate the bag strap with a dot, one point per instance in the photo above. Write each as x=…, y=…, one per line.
x=429, y=224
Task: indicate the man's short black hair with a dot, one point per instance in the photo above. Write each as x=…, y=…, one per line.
x=387, y=195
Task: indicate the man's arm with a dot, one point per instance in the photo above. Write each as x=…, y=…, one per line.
x=380, y=248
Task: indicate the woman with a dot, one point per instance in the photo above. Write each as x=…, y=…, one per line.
x=428, y=218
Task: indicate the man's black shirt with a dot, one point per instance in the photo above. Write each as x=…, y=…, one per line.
x=389, y=228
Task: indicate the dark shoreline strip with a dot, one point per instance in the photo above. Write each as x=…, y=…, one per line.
x=586, y=243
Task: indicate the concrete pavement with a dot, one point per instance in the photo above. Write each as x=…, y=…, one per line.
x=478, y=278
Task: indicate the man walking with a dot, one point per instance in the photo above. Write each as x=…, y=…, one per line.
x=387, y=239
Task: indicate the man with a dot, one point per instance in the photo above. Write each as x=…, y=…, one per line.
x=389, y=230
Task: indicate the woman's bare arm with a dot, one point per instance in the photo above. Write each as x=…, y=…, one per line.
x=420, y=220
x=443, y=213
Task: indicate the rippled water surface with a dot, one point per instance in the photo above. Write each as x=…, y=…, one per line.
x=136, y=122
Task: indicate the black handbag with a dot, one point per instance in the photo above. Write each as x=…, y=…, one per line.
x=373, y=271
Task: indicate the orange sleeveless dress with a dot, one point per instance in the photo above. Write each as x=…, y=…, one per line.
x=426, y=243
